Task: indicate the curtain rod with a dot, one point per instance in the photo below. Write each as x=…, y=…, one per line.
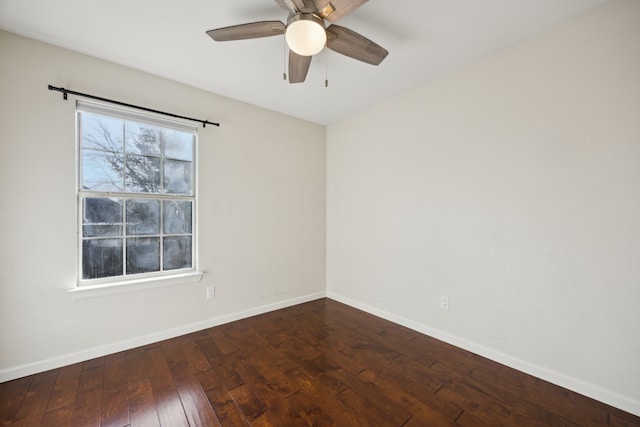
x=67, y=91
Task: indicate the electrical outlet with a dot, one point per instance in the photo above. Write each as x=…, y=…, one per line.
x=211, y=292
x=444, y=302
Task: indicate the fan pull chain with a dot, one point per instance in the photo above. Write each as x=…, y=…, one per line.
x=326, y=67
x=284, y=59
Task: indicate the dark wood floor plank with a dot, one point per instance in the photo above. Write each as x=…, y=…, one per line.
x=518, y=397
x=310, y=330
x=260, y=346
x=622, y=419
x=212, y=378
x=142, y=407
x=319, y=368
x=206, y=344
x=165, y=393
x=367, y=414
x=312, y=394
x=225, y=365
x=277, y=326
x=315, y=401
x=499, y=395
x=310, y=413
x=340, y=354
x=115, y=409
x=93, y=363
x=428, y=351
x=140, y=401
x=375, y=398
x=341, y=332
x=36, y=400
x=88, y=405
x=258, y=365
x=565, y=401
x=223, y=341
x=320, y=363
x=253, y=409
x=216, y=389
x=196, y=405
x=271, y=395
x=12, y=394
x=373, y=344
x=198, y=361
x=59, y=417
x=468, y=419
x=423, y=374
x=353, y=318
x=423, y=410
x=404, y=388
x=296, y=349
x=186, y=361
x=482, y=408
x=66, y=388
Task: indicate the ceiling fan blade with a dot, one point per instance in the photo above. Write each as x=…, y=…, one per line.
x=289, y=5
x=353, y=45
x=298, y=67
x=253, y=30
x=282, y=4
x=332, y=10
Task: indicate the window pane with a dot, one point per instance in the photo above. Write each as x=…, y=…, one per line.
x=143, y=217
x=143, y=174
x=177, y=145
x=102, y=171
x=101, y=217
x=177, y=217
x=134, y=173
x=177, y=177
x=177, y=252
x=101, y=258
x=143, y=139
x=102, y=133
x=143, y=255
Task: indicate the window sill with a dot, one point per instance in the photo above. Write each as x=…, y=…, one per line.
x=80, y=292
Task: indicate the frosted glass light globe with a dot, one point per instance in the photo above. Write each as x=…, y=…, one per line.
x=305, y=34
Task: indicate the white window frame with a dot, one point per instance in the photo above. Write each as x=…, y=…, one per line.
x=107, y=285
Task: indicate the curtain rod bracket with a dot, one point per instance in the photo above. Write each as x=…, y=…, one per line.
x=65, y=93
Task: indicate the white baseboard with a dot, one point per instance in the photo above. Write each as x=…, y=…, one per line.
x=103, y=350
x=603, y=395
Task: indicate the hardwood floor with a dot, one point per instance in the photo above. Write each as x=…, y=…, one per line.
x=318, y=364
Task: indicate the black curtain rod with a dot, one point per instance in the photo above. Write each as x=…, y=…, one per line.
x=72, y=92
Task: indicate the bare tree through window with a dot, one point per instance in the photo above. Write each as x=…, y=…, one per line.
x=136, y=195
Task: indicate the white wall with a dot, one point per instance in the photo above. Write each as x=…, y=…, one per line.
x=513, y=187
x=261, y=212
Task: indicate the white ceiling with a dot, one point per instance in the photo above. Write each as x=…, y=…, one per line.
x=425, y=39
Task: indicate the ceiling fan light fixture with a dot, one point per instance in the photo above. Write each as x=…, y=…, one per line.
x=306, y=34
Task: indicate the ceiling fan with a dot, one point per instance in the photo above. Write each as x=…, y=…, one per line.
x=306, y=34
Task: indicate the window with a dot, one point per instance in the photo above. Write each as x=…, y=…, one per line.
x=136, y=195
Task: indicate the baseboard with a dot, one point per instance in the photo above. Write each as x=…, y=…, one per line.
x=606, y=396
x=103, y=350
